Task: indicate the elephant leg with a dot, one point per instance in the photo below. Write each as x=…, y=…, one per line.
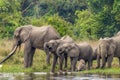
x=54, y=63
x=109, y=60
x=27, y=51
x=47, y=57
x=98, y=61
x=119, y=60
x=89, y=64
x=71, y=60
x=103, y=62
x=74, y=62
x=31, y=56
x=65, y=66
x=61, y=62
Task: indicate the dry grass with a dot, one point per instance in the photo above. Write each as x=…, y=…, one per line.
x=17, y=59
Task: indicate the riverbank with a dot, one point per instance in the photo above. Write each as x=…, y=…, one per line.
x=19, y=68
x=103, y=71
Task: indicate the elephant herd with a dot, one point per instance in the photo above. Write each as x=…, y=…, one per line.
x=48, y=39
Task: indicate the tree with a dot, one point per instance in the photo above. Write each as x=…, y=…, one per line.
x=104, y=11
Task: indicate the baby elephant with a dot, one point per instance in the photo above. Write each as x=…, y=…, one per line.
x=72, y=51
x=81, y=65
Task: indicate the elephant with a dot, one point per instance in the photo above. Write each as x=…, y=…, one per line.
x=116, y=39
x=81, y=65
x=76, y=52
x=118, y=33
x=94, y=54
x=72, y=51
x=105, y=51
x=86, y=52
x=52, y=46
x=33, y=37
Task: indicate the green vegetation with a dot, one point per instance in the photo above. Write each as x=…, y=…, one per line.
x=103, y=71
x=81, y=19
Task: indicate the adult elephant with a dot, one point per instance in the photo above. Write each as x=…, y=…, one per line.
x=116, y=39
x=105, y=51
x=52, y=46
x=76, y=52
x=86, y=53
x=33, y=37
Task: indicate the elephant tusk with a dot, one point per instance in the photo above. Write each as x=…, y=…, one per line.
x=1, y=66
x=13, y=51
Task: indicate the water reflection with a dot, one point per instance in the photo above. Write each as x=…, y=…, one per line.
x=48, y=76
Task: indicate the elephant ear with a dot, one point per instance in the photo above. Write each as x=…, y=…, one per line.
x=25, y=33
x=45, y=45
x=56, y=43
x=73, y=51
x=111, y=49
x=67, y=47
x=17, y=32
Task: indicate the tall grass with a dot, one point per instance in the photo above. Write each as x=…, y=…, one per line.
x=16, y=62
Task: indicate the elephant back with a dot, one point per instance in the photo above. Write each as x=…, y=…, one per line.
x=51, y=33
x=40, y=35
x=117, y=34
x=67, y=39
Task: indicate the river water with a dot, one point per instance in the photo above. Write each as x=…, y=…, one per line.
x=47, y=76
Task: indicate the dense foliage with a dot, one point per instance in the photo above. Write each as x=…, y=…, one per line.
x=81, y=19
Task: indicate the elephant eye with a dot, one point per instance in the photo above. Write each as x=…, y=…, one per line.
x=47, y=46
x=50, y=48
x=60, y=50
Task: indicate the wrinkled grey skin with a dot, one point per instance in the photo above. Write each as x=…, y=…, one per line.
x=81, y=65
x=33, y=37
x=105, y=51
x=94, y=55
x=117, y=44
x=72, y=51
x=52, y=46
x=76, y=52
x=86, y=52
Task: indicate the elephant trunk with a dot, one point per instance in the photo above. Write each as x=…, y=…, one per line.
x=48, y=59
x=17, y=43
x=12, y=52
